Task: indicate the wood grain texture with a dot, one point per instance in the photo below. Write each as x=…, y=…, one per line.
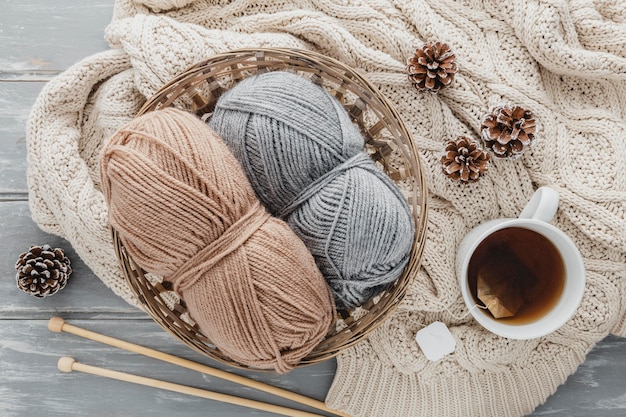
x=16, y=100
x=29, y=353
x=38, y=40
x=84, y=295
x=597, y=389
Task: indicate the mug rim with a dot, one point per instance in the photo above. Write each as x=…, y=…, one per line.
x=569, y=300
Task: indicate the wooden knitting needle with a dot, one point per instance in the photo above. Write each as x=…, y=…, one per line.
x=67, y=364
x=57, y=325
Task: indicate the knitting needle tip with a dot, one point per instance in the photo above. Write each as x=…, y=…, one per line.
x=66, y=364
x=55, y=324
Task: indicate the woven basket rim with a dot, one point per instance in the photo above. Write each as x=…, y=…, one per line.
x=355, y=325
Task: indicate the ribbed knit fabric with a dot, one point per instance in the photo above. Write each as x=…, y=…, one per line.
x=563, y=60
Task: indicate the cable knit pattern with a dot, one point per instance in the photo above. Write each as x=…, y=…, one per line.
x=563, y=60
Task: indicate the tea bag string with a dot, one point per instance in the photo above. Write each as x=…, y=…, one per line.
x=467, y=313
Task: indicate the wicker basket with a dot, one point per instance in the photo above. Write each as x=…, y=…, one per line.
x=387, y=141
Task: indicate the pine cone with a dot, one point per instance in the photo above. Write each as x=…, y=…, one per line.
x=507, y=130
x=42, y=271
x=432, y=67
x=463, y=160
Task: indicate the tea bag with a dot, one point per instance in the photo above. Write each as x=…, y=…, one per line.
x=501, y=285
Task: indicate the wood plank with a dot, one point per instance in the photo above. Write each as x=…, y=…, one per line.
x=16, y=100
x=596, y=389
x=30, y=384
x=84, y=296
x=41, y=38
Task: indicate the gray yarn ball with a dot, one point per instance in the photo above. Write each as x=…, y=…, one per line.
x=305, y=160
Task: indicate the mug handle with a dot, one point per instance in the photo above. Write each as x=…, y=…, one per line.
x=542, y=206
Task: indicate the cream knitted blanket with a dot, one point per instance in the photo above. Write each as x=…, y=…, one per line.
x=563, y=59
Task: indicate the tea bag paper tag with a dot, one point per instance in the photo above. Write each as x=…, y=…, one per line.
x=435, y=340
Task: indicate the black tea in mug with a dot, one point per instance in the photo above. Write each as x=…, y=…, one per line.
x=516, y=273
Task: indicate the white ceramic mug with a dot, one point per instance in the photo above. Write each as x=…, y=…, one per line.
x=536, y=217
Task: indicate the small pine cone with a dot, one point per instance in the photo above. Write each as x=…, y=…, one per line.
x=508, y=130
x=463, y=160
x=432, y=67
x=42, y=271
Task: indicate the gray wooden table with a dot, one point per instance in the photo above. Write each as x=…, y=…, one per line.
x=39, y=39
